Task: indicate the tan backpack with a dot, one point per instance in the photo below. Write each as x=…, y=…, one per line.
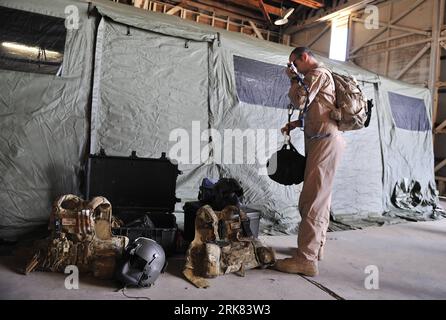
x=351, y=105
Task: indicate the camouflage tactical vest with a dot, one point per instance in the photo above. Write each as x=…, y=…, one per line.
x=81, y=236
x=220, y=246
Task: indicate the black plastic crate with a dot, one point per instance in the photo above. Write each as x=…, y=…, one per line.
x=164, y=232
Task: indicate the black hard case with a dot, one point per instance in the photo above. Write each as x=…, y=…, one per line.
x=133, y=184
x=136, y=186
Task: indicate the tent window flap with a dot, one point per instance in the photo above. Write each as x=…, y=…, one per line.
x=409, y=113
x=31, y=42
x=261, y=83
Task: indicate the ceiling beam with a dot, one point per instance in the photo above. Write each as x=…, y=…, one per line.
x=224, y=10
x=265, y=12
x=309, y=3
x=256, y=30
x=299, y=3
x=350, y=6
x=174, y=10
x=254, y=4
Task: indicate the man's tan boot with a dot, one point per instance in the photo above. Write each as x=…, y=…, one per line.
x=292, y=265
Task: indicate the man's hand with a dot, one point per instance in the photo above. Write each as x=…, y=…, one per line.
x=290, y=73
x=284, y=130
x=292, y=125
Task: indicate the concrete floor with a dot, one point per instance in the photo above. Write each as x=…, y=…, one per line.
x=410, y=259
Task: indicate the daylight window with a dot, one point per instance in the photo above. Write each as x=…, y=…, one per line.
x=339, y=38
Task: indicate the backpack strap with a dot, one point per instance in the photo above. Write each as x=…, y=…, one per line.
x=334, y=83
x=336, y=110
x=307, y=100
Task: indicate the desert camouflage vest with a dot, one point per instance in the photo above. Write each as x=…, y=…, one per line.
x=81, y=236
x=221, y=246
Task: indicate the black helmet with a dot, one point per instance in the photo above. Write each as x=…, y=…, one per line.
x=142, y=263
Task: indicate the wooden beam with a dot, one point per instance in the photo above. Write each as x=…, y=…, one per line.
x=393, y=21
x=265, y=12
x=413, y=61
x=438, y=178
x=441, y=126
x=387, y=39
x=138, y=3
x=286, y=40
x=440, y=165
x=383, y=24
x=319, y=35
x=224, y=10
x=434, y=66
x=350, y=6
x=349, y=38
x=309, y=3
x=256, y=30
x=302, y=3
x=410, y=44
x=173, y=10
x=254, y=4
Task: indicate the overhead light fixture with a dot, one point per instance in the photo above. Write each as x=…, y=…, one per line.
x=284, y=20
x=24, y=49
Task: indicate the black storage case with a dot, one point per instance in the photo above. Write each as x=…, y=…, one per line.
x=137, y=186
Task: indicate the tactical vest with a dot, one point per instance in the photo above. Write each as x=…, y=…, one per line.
x=81, y=236
x=221, y=246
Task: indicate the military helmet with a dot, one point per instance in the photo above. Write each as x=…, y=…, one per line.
x=143, y=262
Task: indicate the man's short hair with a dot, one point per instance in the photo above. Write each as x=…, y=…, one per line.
x=299, y=51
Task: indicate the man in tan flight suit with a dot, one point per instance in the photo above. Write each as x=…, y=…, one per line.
x=324, y=146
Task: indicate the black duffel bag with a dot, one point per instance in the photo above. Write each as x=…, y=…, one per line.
x=225, y=192
x=286, y=166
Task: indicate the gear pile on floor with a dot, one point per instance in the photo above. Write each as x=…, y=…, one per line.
x=80, y=235
x=221, y=246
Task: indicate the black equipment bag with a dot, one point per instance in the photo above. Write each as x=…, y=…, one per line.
x=287, y=166
x=225, y=192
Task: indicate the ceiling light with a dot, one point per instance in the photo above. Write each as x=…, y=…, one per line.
x=23, y=49
x=284, y=20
